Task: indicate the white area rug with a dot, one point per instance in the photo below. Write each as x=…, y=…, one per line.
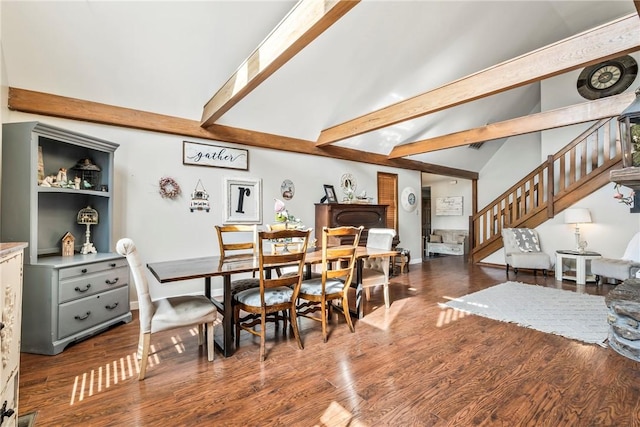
x=572, y=315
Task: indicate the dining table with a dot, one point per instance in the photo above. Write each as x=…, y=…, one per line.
x=208, y=267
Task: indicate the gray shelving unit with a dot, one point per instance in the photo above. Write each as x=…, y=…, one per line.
x=65, y=298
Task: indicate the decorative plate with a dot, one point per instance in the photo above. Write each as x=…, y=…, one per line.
x=409, y=199
x=287, y=189
x=348, y=184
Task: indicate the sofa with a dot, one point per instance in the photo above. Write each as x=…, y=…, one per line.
x=448, y=242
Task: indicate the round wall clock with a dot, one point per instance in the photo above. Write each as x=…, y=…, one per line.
x=607, y=78
x=287, y=189
x=408, y=199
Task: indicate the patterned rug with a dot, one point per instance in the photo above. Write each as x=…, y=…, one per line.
x=572, y=315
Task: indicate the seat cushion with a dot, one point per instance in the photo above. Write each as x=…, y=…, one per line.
x=314, y=286
x=272, y=296
x=535, y=260
x=244, y=284
x=182, y=311
x=612, y=268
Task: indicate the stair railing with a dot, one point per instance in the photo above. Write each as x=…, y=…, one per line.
x=526, y=203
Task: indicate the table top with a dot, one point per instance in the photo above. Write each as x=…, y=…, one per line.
x=577, y=253
x=212, y=266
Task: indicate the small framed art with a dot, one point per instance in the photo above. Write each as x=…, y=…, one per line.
x=330, y=194
x=243, y=201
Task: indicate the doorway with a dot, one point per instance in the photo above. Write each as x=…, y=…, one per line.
x=426, y=218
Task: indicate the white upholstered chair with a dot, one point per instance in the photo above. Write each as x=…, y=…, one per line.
x=619, y=269
x=375, y=270
x=166, y=313
x=522, y=250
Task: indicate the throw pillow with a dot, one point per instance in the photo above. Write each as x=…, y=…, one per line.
x=526, y=239
x=435, y=238
x=460, y=238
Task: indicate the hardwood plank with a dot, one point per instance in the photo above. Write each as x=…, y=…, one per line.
x=607, y=41
x=414, y=364
x=303, y=24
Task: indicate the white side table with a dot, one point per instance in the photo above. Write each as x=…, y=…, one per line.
x=581, y=259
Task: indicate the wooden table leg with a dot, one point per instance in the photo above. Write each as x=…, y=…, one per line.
x=226, y=309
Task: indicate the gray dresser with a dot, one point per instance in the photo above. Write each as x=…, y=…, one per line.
x=65, y=298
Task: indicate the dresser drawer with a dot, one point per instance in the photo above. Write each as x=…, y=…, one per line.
x=96, y=267
x=90, y=284
x=82, y=314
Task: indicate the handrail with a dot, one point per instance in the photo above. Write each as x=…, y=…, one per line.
x=588, y=155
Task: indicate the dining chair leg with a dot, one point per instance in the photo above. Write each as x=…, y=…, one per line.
x=145, y=341
x=294, y=326
x=386, y=295
x=323, y=311
x=236, y=320
x=347, y=314
x=263, y=324
x=200, y=334
x=210, y=351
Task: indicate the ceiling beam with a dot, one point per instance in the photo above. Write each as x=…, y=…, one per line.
x=607, y=41
x=76, y=109
x=566, y=116
x=306, y=21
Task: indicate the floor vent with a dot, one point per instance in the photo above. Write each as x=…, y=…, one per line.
x=476, y=145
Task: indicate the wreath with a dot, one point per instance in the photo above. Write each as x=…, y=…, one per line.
x=169, y=188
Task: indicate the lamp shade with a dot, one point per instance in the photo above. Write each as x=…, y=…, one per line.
x=577, y=216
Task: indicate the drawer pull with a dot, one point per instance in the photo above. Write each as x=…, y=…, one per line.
x=83, y=317
x=83, y=290
x=113, y=264
x=5, y=413
x=111, y=307
x=84, y=270
x=112, y=282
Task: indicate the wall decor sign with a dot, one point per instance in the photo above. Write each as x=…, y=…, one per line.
x=243, y=201
x=449, y=205
x=217, y=156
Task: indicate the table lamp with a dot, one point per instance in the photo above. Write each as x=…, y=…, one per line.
x=577, y=216
x=89, y=217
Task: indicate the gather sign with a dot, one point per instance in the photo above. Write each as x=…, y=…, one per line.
x=195, y=153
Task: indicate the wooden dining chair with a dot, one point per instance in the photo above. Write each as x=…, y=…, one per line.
x=274, y=293
x=238, y=240
x=166, y=313
x=338, y=263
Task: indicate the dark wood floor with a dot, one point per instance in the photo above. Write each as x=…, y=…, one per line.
x=413, y=365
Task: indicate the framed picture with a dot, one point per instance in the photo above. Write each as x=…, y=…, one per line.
x=198, y=154
x=449, y=205
x=243, y=201
x=330, y=194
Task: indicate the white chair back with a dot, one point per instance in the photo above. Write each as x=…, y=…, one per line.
x=380, y=238
x=127, y=248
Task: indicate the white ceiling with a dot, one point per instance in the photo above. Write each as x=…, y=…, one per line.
x=171, y=57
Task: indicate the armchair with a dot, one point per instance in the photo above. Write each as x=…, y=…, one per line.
x=522, y=250
x=619, y=269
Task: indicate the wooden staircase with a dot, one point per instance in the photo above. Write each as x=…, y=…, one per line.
x=573, y=173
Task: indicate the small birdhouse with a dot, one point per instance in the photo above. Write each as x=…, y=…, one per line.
x=68, y=242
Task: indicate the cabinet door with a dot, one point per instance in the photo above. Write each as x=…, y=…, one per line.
x=10, y=301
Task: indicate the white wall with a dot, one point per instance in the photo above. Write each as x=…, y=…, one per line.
x=442, y=186
x=165, y=229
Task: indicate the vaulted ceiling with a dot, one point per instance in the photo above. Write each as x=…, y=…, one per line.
x=374, y=76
